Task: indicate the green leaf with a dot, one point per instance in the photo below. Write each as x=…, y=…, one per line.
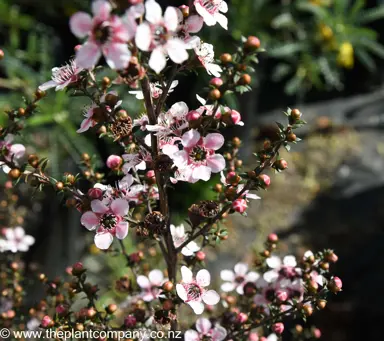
x=374, y=47
x=371, y=15
x=365, y=59
x=285, y=50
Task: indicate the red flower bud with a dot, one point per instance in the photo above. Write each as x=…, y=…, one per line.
x=47, y=322
x=240, y=205
x=278, y=328
x=114, y=162
x=216, y=82
x=95, y=193
x=193, y=115
x=265, y=180
x=273, y=238
x=200, y=255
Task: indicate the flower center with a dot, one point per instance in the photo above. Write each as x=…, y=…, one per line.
x=239, y=279
x=160, y=35
x=108, y=221
x=102, y=32
x=207, y=338
x=64, y=73
x=212, y=6
x=193, y=292
x=198, y=154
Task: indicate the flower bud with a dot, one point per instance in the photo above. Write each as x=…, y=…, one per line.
x=316, y=333
x=214, y=94
x=62, y=310
x=78, y=269
x=240, y=205
x=291, y=137
x=273, y=238
x=265, y=180
x=308, y=310
x=14, y=173
x=168, y=286
x=335, y=285
x=130, y=321
x=114, y=162
x=193, y=116
x=282, y=295
x=59, y=186
x=184, y=10
x=281, y=164
x=216, y=82
x=245, y=79
x=296, y=114
x=77, y=48
x=331, y=257
x=111, y=308
x=85, y=157
x=241, y=318
x=235, y=117
x=1, y=54
x=47, y=322
x=321, y=303
x=200, y=255
x=253, y=337
x=278, y=328
x=226, y=58
x=252, y=43
x=95, y=193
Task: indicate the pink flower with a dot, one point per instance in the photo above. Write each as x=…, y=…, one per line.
x=11, y=152
x=141, y=122
x=107, y=34
x=238, y=278
x=107, y=220
x=206, y=56
x=157, y=34
x=62, y=76
x=285, y=269
x=210, y=11
x=136, y=161
x=205, y=331
x=179, y=237
x=278, y=328
x=151, y=285
x=198, y=159
x=114, y=161
x=192, y=290
x=156, y=90
x=16, y=240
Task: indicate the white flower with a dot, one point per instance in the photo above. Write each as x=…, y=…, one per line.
x=151, y=285
x=206, y=56
x=287, y=268
x=157, y=34
x=179, y=237
x=16, y=240
x=238, y=278
x=156, y=90
x=192, y=290
x=210, y=11
x=205, y=332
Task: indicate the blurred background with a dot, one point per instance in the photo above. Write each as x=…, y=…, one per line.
x=323, y=56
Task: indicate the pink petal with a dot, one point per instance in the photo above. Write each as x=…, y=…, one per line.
x=85, y=125
x=186, y=275
x=143, y=37
x=214, y=141
x=252, y=276
x=176, y=49
x=170, y=18
x=180, y=158
x=80, y=24
x=89, y=220
x=216, y=162
x=103, y=240
x=202, y=173
x=120, y=207
x=47, y=85
x=190, y=138
x=122, y=229
x=101, y=10
x=203, y=325
x=153, y=12
x=198, y=307
x=143, y=282
x=211, y=297
x=241, y=269
x=181, y=292
x=191, y=335
x=17, y=150
x=203, y=278
x=157, y=61
x=228, y=286
x=219, y=333
x=98, y=207
x=194, y=23
x=156, y=277
x=88, y=55
x=117, y=55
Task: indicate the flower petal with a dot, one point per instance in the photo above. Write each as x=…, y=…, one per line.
x=153, y=12
x=227, y=275
x=143, y=37
x=190, y=138
x=117, y=55
x=290, y=261
x=180, y=158
x=271, y=276
x=228, y=286
x=252, y=276
x=122, y=229
x=181, y=292
x=241, y=269
x=203, y=278
x=170, y=18
x=156, y=277
x=202, y=173
x=198, y=307
x=194, y=23
x=157, y=61
x=143, y=282
x=98, y=207
x=80, y=24
x=216, y=162
x=17, y=150
x=214, y=141
x=176, y=49
x=273, y=262
x=222, y=20
x=103, y=240
x=120, y=207
x=89, y=220
x=191, y=335
x=211, y=297
x=219, y=333
x=101, y=9
x=203, y=326
x=186, y=275
x=47, y=85
x=88, y=55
